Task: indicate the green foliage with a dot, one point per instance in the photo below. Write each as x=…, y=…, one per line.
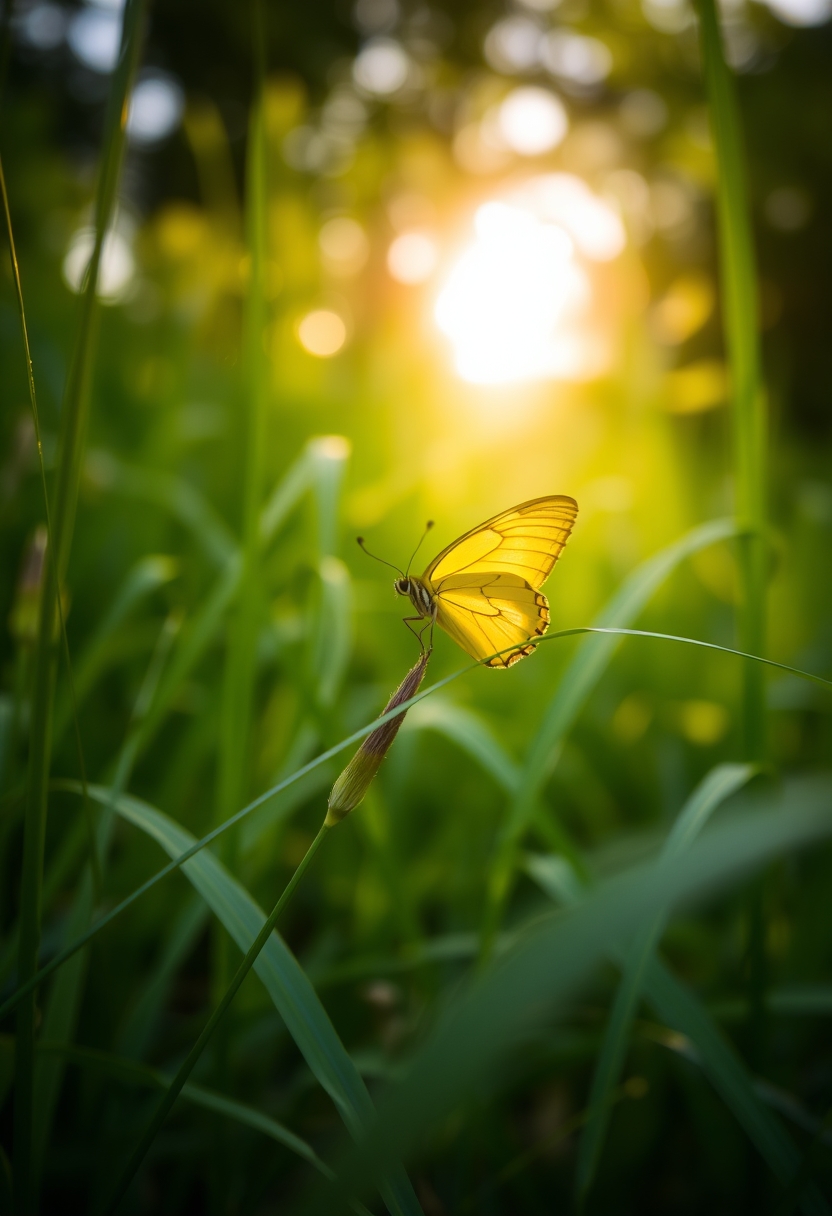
x=423, y=1030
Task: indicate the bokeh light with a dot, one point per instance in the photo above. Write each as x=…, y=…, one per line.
x=156, y=109
x=43, y=26
x=94, y=37
x=532, y=121
x=344, y=246
x=412, y=257
x=575, y=58
x=118, y=264
x=322, y=333
x=382, y=67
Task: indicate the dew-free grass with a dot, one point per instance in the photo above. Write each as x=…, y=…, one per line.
x=467, y=1005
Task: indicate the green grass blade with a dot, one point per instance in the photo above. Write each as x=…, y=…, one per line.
x=332, y=643
x=148, y=574
x=178, y=498
x=680, y=1009
x=287, y=985
x=748, y=406
x=218, y=1014
x=247, y=615
x=578, y=681
x=70, y=460
x=139, y=1026
x=547, y=961
x=24, y=989
x=469, y=731
x=131, y=1072
x=59, y=1022
x=714, y=789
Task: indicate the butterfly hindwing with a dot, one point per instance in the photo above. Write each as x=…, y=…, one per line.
x=489, y=613
x=486, y=585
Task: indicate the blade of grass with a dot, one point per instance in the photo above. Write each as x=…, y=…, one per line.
x=70, y=459
x=491, y=1016
x=140, y=1025
x=24, y=989
x=681, y=1009
x=712, y=791
x=470, y=733
x=740, y=324
x=131, y=1072
x=180, y=499
x=65, y=997
x=740, y=312
x=148, y=574
x=247, y=612
x=33, y=402
x=173, y=1090
x=284, y=980
x=581, y=676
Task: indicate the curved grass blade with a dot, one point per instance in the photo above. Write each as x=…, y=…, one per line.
x=284, y=980
x=581, y=675
x=148, y=574
x=549, y=959
x=24, y=989
x=471, y=734
x=712, y=791
x=131, y=1072
x=180, y=499
x=139, y=1027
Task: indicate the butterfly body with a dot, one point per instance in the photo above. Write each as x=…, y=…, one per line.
x=420, y=596
x=484, y=589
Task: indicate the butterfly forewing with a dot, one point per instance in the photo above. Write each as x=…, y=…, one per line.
x=486, y=585
x=526, y=541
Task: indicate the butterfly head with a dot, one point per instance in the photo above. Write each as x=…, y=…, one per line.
x=402, y=586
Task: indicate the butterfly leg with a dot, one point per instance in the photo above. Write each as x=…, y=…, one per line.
x=417, y=633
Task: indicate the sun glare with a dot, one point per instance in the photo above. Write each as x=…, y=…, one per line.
x=517, y=303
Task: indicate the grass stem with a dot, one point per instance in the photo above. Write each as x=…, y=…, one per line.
x=74, y=416
x=191, y=1059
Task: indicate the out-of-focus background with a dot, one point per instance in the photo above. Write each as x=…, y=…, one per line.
x=490, y=274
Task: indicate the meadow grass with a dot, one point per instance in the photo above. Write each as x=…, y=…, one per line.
x=430, y=983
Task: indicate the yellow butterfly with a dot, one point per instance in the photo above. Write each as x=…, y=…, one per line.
x=484, y=589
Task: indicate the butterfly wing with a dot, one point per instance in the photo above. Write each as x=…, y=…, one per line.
x=486, y=585
x=486, y=613
x=526, y=541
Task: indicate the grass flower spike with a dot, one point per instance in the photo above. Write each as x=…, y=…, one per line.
x=353, y=783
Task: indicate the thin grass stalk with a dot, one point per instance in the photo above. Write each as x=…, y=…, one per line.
x=33, y=403
x=244, y=626
x=191, y=1059
x=750, y=425
x=748, y=402
x=13, y=1002
x=74, y=416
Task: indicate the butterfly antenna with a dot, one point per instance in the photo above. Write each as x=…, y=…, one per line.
x=360, y=540
x=428, y=527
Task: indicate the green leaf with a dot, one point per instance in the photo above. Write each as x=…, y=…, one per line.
x=140, y=1024
x=470, y=733
x=284, y=980
x=580, y=678
x=548, y=960
x=131, y=1072
x=712, y=791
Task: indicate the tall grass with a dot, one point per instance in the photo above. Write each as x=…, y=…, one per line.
x=68, y=472
x=740, y=315
x=432, y=1001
